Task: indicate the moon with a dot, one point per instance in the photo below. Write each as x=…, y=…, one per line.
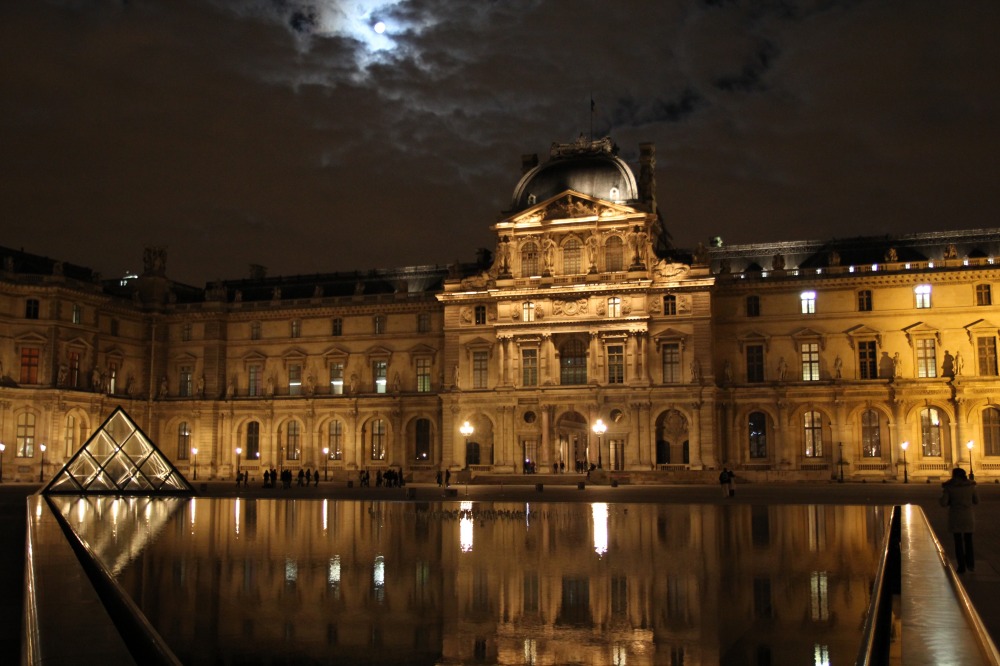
x=379, y=27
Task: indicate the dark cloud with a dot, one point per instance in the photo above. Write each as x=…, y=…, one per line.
x=289, y=133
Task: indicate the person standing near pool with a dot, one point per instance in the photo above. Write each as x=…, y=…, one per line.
x=959, y=495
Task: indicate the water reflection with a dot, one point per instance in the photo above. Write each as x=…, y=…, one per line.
x=232, y=581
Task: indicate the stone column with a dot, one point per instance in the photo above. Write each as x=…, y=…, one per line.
x=695, y=443
x=544, y=449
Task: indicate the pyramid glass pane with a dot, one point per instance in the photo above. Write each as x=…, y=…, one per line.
x=120, y=469
x=101, y=481
x=174, y=482
x=120, y=427
x=102, y=447
x=83, y=467
x=138, y=483
x=155, y=468
x=65, y=483
x=136, y=446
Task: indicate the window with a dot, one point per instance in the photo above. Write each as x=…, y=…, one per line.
x=812, y=431
x=378, y=324
x=73, y=378
x=423, y=322
x=573, y=362
x=186, y=388
x=335, y=440
x=294, y=379
x=614, y=254
x=380, y=369
x=337, y=327
x=670, y=305
x=337, y=378
x=186, y=332
x=25, y=435
x=529, y=367
x=292, y=441
x=930, y=431
x=991, y=431
x=865, y=300
x=30, y=357
x=867, y=359
x=672, y=363
x=922, y=294
x=871, y=436
x=926, y=358
x=480, y=313
x=810, y=361
x=423, y=375
x=528, y=311
x=614, y=307
x=808, y=299
x=77, y=315
x=31, y=308
x=529, y=260
x=295, y=328
x=480, y=369
x=755, y=364
x=753, y=306
x=571, y=256
x=984, y=295
x=70, y=436
x=378, y=439
x=422, y=443
x=255, y=330
x=253, y=441
x=986, y=351
x=616, y=364
x=757, y=427
x=255, y=376
x=183, y=441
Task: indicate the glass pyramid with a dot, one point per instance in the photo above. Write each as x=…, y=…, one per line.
x=119, y=459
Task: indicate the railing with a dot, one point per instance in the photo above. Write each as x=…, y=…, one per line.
x=481, y=468
x=877, y=632
x=672, y=467
x=871, y=467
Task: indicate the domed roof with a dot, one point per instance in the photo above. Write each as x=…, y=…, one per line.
x=588, y=167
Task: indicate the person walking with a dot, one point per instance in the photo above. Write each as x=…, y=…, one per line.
x=959, y=495
x=724, y=481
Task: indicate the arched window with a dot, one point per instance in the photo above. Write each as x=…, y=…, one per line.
x=253, y=441
x=812, y=431
x=573, y=362
x=378, y=439
x=292, y=441
x=183, y=440
x=529, y=260
x=930, y=431
x=571, y=256
x=871, y=438
x=335, y=440
x=991, y=431
x=757, y=430
x=422, y=440
x=472, y=456
x=613, y=254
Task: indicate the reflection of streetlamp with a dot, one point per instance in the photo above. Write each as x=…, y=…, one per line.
x=972, y=474
x=467, y=431
x=904, y=445
x=238, y=452
x=194, y=454
x=41, y=470
x=326, y=460
x=599, y=429
x=3, y=447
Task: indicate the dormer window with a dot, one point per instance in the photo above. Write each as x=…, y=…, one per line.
x=615, y=194
x=532, y=199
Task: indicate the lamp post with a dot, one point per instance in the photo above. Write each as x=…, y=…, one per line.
x=238, y=452
x=841, y=463
x=3, y=447
x=41, y=469
x=467, y=431
x=972, y=475
x=326, y=460
x=599, y=430
x=194, y=454
x=904, y=445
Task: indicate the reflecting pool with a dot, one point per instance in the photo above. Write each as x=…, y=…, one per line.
x=230, y=581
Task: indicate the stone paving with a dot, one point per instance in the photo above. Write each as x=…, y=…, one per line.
x=983, y=586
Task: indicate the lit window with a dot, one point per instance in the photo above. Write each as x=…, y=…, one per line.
x=183, y=440
x=753, y=306
x=30, y=358
x=926, y=358
x=930, y=431
x=865, y=300
x=810, y=361
x=984, y=294
x=808, y=302
x=480, y=369
x=70, y=436
x=812, y=425
x=335, y=440
x=378, y=439
x=986, y=351
x=292, y=441
x=922, y=292
x=616, y=364
x=573, y=362
x=670, y=305
x=253, y=441
x=295, y=379
x=529, y=260
x=423, y=375
x=480, y=314
x=671, y=363
x=871, y=437
x=571, y=256
x=757, y=430
x=422, y=443
x=614, y=307
x=529, y=367
x=380, y=370
x=31, y=308
x=25, y=435
x=528, y=311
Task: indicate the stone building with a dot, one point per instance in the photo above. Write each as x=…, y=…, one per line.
x=797, y=360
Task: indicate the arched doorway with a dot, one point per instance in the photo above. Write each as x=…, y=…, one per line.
x=672, y=447
x=572, y=441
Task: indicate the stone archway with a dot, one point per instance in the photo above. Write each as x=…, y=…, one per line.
x=672, y=438
x=572, y=442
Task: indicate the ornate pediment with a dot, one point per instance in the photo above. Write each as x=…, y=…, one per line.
x=294, y=353
x=335, y=352
x=862, y=332
x=921, y=330
x=570, y=205
x=753, y=338
x=980, y=328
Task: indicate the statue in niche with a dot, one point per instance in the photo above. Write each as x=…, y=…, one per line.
x=456, y=377
x=503, y=255
x=200, y=387
x=396, y=383
x=593, y=244
x=782, y=369
x=231, y=387
x=130, y=386
x=891, y=255
x=163, y=387
x=310, y=384
x=354, y=383
x=951, y=252
x=959, y=364
x=695, y=371
x=727, y=372
x=897, y=369
x=63, y=374
x=778, y=262
x=95, y=380
x=834, y=258
x=548, y=252
x=838, y=367
x=269, y=386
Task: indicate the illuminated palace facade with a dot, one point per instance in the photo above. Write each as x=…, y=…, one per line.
x=872, y=358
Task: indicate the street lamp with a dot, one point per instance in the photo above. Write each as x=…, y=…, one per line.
x=3, y=447
x=972, y=475
x=467, y=430
x=904, y=445
x=326, y=460
x=41, y=469
x=599, y=429
x=238, y=452
x=194, y=454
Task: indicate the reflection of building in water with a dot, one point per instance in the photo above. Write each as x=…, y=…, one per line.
x=232, y=580
x=795, y=359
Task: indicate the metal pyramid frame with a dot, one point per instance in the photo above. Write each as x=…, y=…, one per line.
x=119, y=459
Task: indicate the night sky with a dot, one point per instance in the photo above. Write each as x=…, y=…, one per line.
x=289, y=133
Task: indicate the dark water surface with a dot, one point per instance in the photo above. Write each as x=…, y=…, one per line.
x=261, y=581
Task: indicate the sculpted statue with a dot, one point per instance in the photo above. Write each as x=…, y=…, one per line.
x=891, y=255
x=838, y=367
x=200, y=387
x=951, y=252
x=163, y=387
x=782, y=369
x=593, y=244
x=548, y=252
x=778, y=262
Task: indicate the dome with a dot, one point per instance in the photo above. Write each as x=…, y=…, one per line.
x=587, y=167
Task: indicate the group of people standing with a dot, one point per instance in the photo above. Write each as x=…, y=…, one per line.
x=306, y=477
x=390, y=478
